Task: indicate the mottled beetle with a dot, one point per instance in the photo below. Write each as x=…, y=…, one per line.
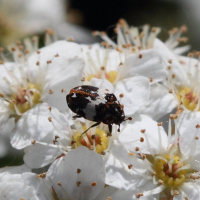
x=95, y=104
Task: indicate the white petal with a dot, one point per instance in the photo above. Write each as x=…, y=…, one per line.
x=34, y=125
x=118, y=175
x=67, y=77
x=38, y=155
x=184, y=119
x=131, y=134
x=65, y=50
x=92, y=170
x=168, y=55
x=14, y=170
x=160, y=102
x=102, y=83
x=16, y=190
x=42, y=187
x=135, y=91
x=150, y=65
x=191, y=190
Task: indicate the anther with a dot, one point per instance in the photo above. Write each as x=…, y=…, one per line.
x=197, y=126
x=130, y=166
x=95, y=33
x=170, y=61
x=159, y=124
x=59, y=183
x=175, y=193
x=103, y=153
x=26, y=51
x=63, y=90
x=137, y=148
x=160, y=182
x=2, y=95
x=173, y=75
x=1, y=62
x=121, y=95
x=143, y=130
x=191, y=55
x=38, y=52
x=130, y=118
x=50, y=91
x=33, y=142
x=141, y=139
x=131, y=154
x=78, y=171
x=83, y=79
x=37, y=63
x=108, y=198
x=102, y=68
x=57, y=55
x=49, y=108
x=153, y=173
x=56, y=137
x=94, y=184
x=196, y=138
x=169, y=67
x=138, y=195
x=143, y=156
x=49, y=61
x=50, y=119
x=70, y=39
x=140, y=56
x=13, y=49
x=151, y=79
x=170, y=91
x=78, y=183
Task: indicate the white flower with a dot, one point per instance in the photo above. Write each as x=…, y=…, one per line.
x=47, y=76
x=171, y=166
x=20, y=18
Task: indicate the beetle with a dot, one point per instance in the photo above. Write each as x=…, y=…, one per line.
x=96, y=104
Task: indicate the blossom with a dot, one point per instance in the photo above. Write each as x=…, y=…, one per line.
x=32, y=17
x=171, y=167
x=43, y=77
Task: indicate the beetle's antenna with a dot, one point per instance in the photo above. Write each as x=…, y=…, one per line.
x=96, y=124
x=129, y=118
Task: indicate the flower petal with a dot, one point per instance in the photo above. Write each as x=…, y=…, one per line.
x=101, y=83
x=135, y=91
x=67, y=77
x=149, y=65
x=131, y=135
x=160, y=102
x=78, y=184
x=35, y=125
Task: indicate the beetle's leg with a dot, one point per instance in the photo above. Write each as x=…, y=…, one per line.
x=96, y=124
x=118, y=128
x=76, y=116
x=110, y=130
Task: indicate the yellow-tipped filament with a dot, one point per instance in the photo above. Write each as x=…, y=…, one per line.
x=170, y=172
x=188, y=98
x=98, y=141
x=25, y=98
x=110, y=76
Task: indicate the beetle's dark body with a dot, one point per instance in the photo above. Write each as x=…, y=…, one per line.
x=95, y=105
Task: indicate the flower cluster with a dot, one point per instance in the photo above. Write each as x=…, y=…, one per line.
x=131, y=84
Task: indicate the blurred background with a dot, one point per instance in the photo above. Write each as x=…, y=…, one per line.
x=77, y=18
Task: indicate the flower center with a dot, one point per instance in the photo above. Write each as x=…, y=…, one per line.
x=170, y=171
x=110, y=76
x=97, y=141
x=188, y=98
x=25, y=98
